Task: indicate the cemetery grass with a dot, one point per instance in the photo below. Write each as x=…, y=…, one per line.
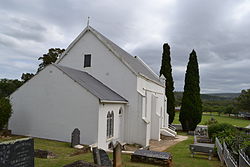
x=180, y=152
x=63, y=152
x=221, y=119
x=182, y=157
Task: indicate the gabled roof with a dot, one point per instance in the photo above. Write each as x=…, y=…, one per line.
x=134, y=63
x=95, y=87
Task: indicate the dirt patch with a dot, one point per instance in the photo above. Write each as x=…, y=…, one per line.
x=166, y=142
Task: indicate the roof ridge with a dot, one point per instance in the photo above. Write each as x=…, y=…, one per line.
x=135, y=65
x=137, y=57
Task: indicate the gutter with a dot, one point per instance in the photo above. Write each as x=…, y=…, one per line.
x=111, y=101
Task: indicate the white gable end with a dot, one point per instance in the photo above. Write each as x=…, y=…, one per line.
x=105, y=66
x=50, y=105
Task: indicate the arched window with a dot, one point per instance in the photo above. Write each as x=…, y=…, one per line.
x=110, y=124
x=120, y=112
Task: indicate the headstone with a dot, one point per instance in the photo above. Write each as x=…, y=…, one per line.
x=44, y=154
x=202, y=148
x=75, y=137
x=105, y=161
x=101, y=157
x=17, y=153
x=152, y=157
x=117, y=155
x=96, y=156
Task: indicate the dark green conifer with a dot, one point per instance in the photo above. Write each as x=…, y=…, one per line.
x=166, y=71
x=191, y=107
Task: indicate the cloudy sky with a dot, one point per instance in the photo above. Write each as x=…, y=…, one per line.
x=219, y=31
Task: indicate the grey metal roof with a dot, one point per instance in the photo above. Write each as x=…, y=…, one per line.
x=94, y=86
x=133, y=61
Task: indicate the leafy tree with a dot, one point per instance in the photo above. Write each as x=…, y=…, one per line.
x=229, y=110
x=50, y=57
x=191, y=108
x=8, y=86
x=166, y=71
x=243, y=101
x=5, y=112
x=26, y=76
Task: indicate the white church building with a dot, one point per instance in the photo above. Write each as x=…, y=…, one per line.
x=97, y=87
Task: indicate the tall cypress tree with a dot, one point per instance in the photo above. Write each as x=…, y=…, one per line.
x=166, y=71
x=191, y=107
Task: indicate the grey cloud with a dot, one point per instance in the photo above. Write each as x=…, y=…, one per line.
x=211, y=27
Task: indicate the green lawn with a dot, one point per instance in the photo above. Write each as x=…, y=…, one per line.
x=63, y=152
x=180, y=152
x=220, y=119
x=182, y=158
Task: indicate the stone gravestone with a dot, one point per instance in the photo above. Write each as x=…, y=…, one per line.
x=117, y=155
x=75, y=137
x=152, y=157
x=17, y=153
x=101, y=157
x=44, y=154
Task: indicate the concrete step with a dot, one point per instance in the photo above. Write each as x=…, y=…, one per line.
x=168, y=132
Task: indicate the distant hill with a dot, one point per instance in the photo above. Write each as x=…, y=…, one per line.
x=212, y=96
x=225, y=95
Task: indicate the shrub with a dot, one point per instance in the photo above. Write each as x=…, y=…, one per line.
x=220, y=128
x=235, y=141
x=211, y=121
x=5, y=111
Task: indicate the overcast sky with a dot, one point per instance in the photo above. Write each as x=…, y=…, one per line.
x=217, y=29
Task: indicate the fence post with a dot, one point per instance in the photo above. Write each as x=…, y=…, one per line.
x=219, y=150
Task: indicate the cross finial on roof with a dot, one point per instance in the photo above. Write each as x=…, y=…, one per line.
x=88, y=21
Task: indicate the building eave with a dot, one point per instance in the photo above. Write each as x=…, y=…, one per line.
x=113, y=102
x=145, y=77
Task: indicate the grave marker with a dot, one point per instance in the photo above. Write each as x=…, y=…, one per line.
x=17, y=153
x=75, y=137
x=117, y=155
x=152, y=157
x=101, y=157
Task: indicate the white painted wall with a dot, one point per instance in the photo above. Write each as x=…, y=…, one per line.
x=104, y=108
x=154, y=96
x=107, y=68
x=51, y=105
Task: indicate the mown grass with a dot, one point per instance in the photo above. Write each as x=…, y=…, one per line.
x=180, y=152
x=182, y=157
x=221, y=119
x=63, y=152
